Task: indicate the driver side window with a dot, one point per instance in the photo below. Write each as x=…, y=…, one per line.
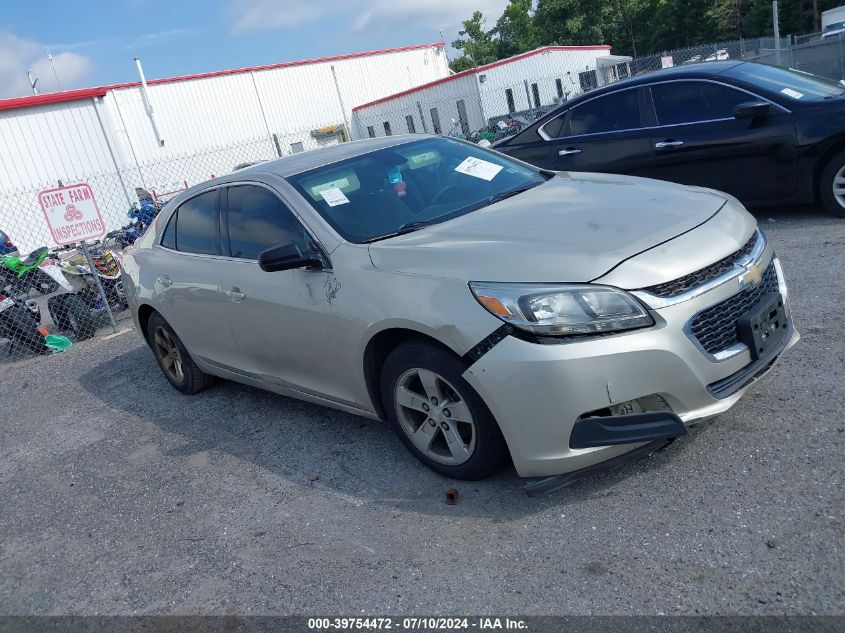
x=257, y=219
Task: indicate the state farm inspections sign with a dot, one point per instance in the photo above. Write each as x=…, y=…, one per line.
x=72, y=214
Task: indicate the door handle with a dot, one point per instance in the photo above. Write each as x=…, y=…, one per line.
x=235, y=294
x=569, y=151
x=666, y=144
x=164, y=280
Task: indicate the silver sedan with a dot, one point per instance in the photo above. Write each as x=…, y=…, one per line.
x=487, y=309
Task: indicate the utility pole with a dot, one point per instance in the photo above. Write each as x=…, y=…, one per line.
x=776, y=28
x=32, y=81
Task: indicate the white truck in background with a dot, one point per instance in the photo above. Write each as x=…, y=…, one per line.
x=833, y=22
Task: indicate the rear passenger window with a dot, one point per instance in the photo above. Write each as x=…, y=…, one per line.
x=258, y=220
x=168, y=240
x=196, y=228
x=610, y=113
x=694, y=101
x=554, y=128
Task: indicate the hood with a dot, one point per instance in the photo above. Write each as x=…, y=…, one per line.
x=573, y=228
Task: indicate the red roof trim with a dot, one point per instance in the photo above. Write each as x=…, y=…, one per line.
x=54, y=97
x=87, y=93
x=475, y=71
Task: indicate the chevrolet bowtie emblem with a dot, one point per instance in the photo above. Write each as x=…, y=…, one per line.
x=753, y=276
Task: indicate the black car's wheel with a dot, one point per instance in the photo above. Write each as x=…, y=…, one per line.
x=71, y=314
x=437, y=414
x=832, y=185
x=173, y=359
x=21, y=328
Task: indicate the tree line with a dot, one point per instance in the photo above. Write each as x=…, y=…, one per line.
x=631, y=27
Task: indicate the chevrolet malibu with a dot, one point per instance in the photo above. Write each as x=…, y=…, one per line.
x=487, y=309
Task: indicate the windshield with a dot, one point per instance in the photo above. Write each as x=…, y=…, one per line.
x=835, y=26
x=789, y=82
x=403, y=188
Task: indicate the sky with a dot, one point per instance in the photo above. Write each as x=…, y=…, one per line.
x=94, y=43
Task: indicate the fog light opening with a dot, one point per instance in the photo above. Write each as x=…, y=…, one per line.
x=645, y=404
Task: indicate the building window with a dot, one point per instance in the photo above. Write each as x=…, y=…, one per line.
x=435, y=121
x=411, y=127
x=559, y=86
x=511, y=104
x=535, y=90
x=371, y=132
x=295, y=148
x=387, y=131
x=588, y=80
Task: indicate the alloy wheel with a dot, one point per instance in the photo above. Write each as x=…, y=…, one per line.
x=167, y=354
x=839, y=186
x=434, y=416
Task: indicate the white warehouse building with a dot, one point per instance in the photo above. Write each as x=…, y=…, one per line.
x=473, y=97
x=192, y=128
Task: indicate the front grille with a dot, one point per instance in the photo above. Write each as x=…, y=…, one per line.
x=702, y=276
x=715, y=327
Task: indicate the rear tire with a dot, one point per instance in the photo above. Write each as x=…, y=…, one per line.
x=21, y=328
x=440, y=418
x=173, y=359
x=71, y=314
x=832, y=185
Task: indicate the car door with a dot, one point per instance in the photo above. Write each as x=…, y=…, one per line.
x=278, y=318
x=187, y=282
x=697, y=140
x=603, y=134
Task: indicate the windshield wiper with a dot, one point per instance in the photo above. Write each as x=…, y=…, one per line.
x=405, y=228
x=498, y=197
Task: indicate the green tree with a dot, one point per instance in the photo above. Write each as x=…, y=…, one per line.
x=476, y=44
x=570, y=22
x=516, y=30
x=624, y=22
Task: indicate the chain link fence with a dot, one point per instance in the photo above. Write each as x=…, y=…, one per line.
x=211, y=126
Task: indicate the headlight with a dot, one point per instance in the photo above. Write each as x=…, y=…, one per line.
x=784, y=291
x=562, y=309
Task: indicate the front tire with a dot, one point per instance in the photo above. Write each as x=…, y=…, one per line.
x=173, y=359
x=439, y=417
x=832, y=185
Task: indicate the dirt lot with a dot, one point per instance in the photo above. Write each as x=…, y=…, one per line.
x=121, y=496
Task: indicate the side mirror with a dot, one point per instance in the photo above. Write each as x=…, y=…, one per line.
x=751, y=109
x=286, y=257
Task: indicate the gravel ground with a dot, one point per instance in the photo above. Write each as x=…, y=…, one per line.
x=121, y=496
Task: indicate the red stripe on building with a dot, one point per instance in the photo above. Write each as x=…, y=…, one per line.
x=87, y=93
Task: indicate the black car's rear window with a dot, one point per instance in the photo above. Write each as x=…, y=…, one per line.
x=788, y=82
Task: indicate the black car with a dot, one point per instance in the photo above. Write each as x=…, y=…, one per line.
x=765, y=134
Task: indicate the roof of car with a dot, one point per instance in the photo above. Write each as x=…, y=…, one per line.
x=685, y=70
x=304, y=161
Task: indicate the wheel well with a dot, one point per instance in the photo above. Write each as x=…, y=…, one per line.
x=821, y=163
x=376, y=353
x=144, y=313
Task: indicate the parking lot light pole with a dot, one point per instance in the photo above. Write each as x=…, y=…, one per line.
x=776, y=28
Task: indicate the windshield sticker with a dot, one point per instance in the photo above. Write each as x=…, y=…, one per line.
x=334, y=197
x=394, y=175
x=340, y=183
x=789, y=92
x=478, y=168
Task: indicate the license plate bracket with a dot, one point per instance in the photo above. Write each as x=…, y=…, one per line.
x=764, y=326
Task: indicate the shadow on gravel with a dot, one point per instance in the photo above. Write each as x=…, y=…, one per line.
x=356, y=457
